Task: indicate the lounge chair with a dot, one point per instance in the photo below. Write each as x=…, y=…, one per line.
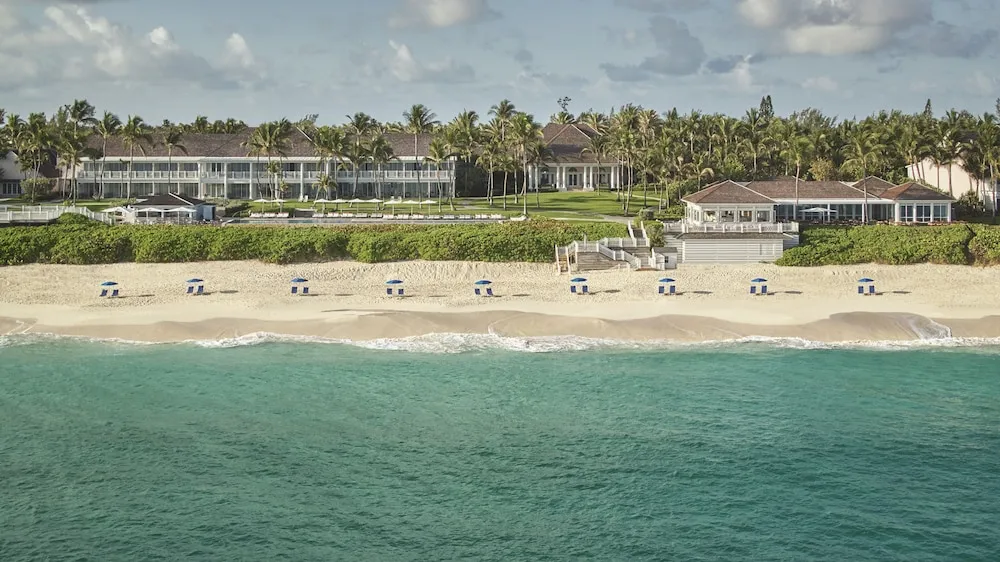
x=104, y=293
x=479, y=292
x=572, y=289
x=318, y=215
x=201, y=290
x=753, y=289
x=585, y=289
x=295, y=290
x=871, y=290
x=489, y=291
x=763, y=290
x=861, y=289
x=305, y=290
x=399, y=292
x=190, y=290
x=114, y=294
x=388, y=291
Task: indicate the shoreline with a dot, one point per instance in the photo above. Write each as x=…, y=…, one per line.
x=349, y=304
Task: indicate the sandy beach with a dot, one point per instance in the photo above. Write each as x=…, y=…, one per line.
x=348, y=301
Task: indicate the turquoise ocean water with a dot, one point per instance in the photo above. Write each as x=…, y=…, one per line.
x=306, y=451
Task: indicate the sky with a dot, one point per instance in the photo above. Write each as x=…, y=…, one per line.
x=258, y=61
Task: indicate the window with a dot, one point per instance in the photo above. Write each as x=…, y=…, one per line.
x=763, y=216
x=711, y=216
x=216, y=167
x=746, y=216
x=728, y=216
x=906, y=213
x=940, y=213
x=10, y=188
x=572, y=181
x=923, y=213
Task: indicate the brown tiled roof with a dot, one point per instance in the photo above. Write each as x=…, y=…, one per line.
x=876, y=186
x=568, y=141
x=727, y=192
x=785, y=189
x=231, y=145
x=913, y=191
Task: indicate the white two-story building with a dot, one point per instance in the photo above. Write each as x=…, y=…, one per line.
x=218, y=166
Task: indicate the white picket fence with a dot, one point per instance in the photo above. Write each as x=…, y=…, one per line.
x=42, y=214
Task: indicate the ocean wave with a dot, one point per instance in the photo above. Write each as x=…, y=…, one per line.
x=930, y=336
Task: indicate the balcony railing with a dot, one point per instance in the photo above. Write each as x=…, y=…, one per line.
x=263, y=176
x=683, y=227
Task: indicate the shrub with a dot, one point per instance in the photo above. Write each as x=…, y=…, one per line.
x=71, y=241
x=891, y=245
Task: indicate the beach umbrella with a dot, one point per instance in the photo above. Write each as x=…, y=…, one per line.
x=667, y=280
x=409, y=202
x=427, y=202
x=866, y=280
x=356, y=200
x=484, y=282
x=195, y=280
x=339, y=201
x=373, y=201
x=300, y=280
x=394, y=282
x=322, y=201
x=261, y=200
x=759, y=280
x=578, y=280
x=108, y=284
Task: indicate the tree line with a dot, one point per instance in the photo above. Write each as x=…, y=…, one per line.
x=670, y=154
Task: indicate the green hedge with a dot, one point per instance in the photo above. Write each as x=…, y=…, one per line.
x=72, y=242
x=892, y=245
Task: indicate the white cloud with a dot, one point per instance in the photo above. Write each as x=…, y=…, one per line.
x=835, y=27
x=72, y=46
x=406, y=68
x=821, y=83
x=441, y=13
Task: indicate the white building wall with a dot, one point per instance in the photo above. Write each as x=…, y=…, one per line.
x=961, y=181
x=9, y=168
x=719, y=250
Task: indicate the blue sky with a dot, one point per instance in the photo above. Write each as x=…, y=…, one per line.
x=260, y=61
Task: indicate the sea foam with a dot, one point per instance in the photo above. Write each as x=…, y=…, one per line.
x=930, y=335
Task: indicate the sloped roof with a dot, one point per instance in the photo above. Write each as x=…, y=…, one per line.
x=170, y=200
x=208, y=145
x=726, y=192
x=568, y=141
x=785, y=189
x=913, y=191
x=876, y=186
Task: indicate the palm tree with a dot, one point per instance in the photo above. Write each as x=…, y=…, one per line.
x=360, y=126
x=438, y=152
x=381, y=153
x=109, y=126
x=796, y=151
x=419, y=120
x=466, y=139
x=526, y=133
x=172, y=141
x=134, y=135
x=864, y=149
x=597, y=145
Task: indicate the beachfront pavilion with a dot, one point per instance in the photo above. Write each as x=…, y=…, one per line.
x=817, y=201
x=216, y=166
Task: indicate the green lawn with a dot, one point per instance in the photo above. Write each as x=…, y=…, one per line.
x=574, y=205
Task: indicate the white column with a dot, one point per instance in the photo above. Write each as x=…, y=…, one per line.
x=253, y=181
x=302, y=180
x=225, y=180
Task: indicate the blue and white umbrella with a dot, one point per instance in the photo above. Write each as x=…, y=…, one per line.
x=394, y=282
x=667, y=280
x=578, y=280
x=759, y=280
x=195, y=280
x=108, y=284
x=484, y=282
x=866, y=280
x=300, y=280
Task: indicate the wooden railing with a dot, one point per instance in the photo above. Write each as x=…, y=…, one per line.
x=684, y=227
